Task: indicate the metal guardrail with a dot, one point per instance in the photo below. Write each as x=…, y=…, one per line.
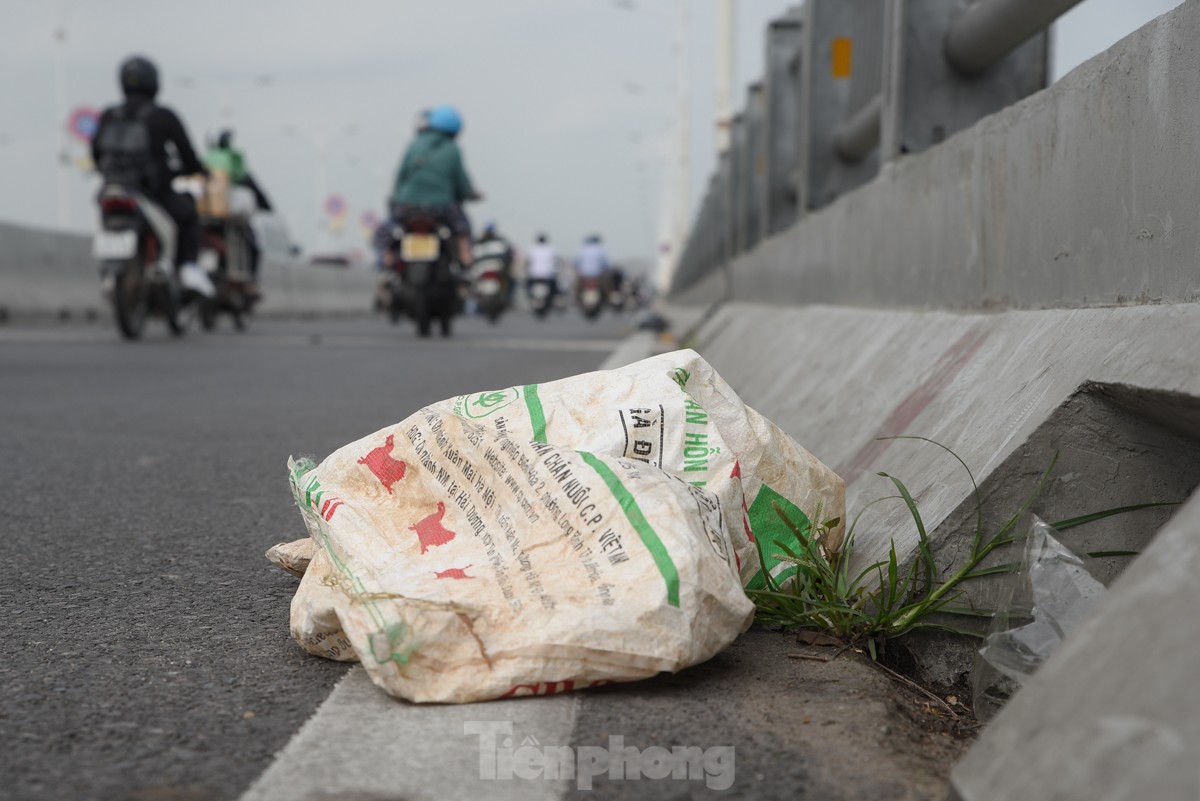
x=988, y=30
x=982, y=35
x=858, y=136
x=850, y=85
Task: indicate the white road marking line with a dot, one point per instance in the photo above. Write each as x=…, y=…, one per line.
x=320, y=340
x=362, y=743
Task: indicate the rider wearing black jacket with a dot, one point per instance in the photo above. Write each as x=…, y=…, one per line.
x=171, y=152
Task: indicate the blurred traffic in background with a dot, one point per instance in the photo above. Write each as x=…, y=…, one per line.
x=591, y=129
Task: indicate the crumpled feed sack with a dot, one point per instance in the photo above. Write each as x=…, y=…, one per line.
x=551, y=537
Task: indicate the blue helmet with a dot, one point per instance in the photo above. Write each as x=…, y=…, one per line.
x=445, y=119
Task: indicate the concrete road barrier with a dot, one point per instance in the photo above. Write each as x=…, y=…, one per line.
x=1115, y=393
x=52, y=274
x=838, y=379
x=1080, y=195
x=46, y=273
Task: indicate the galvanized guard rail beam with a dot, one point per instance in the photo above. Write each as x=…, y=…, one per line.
x=850, y=85
x=988, y=30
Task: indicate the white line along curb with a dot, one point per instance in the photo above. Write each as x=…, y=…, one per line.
x=362, y=743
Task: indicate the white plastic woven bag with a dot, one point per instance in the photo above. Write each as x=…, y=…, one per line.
x=549, y=537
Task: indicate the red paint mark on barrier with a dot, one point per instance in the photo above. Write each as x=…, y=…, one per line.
x=453, y=573
x=951, y=363
x=430, y=530
x=386, y=469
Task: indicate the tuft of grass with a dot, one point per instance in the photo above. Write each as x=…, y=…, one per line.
x=884, y=600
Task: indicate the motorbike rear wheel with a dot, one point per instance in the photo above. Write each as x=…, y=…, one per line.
x=208, y=314
x=423, y=315
x=130, y=299
x=180, y=311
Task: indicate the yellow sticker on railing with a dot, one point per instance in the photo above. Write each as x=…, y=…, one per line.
x=843, y=57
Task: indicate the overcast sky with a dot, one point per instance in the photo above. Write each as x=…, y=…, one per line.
x=569, y=104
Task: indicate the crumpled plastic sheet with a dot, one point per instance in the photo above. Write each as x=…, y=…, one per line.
x=1055, y=590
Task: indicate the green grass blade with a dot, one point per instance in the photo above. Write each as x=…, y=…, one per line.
x=968, y=611
x=925, y=624
x=926, y=557
x=892, y=565
x=974, y=485
x=1063, y=525
x=762, y=563
x=1007, y=567
x=807, y=541
x=854, y=523
x=858, y=579
x=996, y=541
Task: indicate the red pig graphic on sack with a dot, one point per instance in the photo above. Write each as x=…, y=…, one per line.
x=385, y=468
x=453, y=573
x=431, y=531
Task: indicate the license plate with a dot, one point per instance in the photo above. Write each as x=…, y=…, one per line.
x=591, y=296
x=114, y=245
x=419, y=247
x=540, y=291
x=489, y=285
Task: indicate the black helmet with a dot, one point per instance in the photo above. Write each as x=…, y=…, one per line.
x=139, y=76
x=225, y=139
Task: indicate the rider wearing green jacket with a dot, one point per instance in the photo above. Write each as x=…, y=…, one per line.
x=432, y=176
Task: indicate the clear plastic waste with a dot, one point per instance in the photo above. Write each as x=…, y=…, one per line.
x=1052, y=592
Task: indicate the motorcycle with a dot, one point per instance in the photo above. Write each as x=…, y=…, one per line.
x=541, y=296
x=489, y=284
x=591, y=297
x=225, y=256
x=423, y=281
x=135, y=246
x=616, y=291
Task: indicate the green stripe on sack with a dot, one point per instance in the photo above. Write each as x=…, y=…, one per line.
x=640, y=524
x=769, y=529
x=537, y=417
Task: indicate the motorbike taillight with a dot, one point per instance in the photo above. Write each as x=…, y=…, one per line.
x=491, y=274
x=420, y=225
x=118, y=204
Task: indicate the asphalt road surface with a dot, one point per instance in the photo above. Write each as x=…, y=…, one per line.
x=147, y=647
